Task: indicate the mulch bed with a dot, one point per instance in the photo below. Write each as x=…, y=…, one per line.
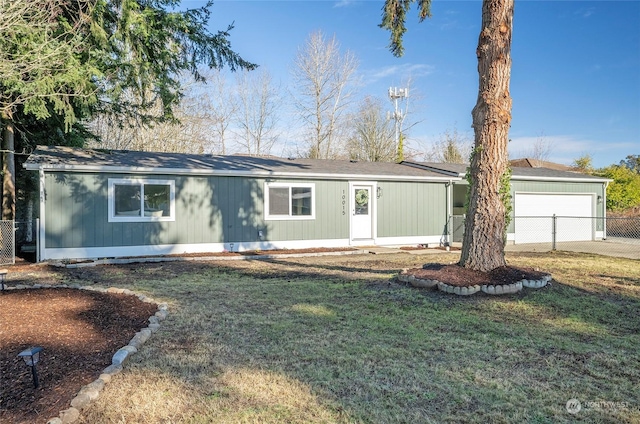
x=79, y=330
x=455, y=275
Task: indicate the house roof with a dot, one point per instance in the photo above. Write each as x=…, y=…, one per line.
x=60, y=158
x=537, y=163
x=517, y=173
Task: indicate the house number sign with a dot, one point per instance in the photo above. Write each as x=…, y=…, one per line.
x=344, y=202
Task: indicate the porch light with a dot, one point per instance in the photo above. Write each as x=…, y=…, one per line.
x=379, y=192
x=599, y=199
x=31, y=357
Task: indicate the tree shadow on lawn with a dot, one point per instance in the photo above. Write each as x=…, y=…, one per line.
x=411, y=352
x=418, y=361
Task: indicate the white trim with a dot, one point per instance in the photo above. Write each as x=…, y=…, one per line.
x=407, y=240
x=231, y=173
x=112, y=182
x=289, y=217
x=559, y=179
x=513, y=177
x=177, y=249
x=374, y=212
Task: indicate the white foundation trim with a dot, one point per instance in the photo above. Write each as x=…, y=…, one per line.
x=177, y=249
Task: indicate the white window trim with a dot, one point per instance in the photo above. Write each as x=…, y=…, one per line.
x=141, y=182
x=290, y=217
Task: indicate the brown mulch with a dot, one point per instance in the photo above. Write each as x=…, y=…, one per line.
x=455, y=275
x=79, y=330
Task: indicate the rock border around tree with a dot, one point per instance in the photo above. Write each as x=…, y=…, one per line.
x=90, y=392
x=491, y=289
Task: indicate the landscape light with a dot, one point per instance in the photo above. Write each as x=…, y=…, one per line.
x=3, y=275
x=31, y=357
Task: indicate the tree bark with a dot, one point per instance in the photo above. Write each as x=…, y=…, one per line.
x=483, y=242
x=8, y=169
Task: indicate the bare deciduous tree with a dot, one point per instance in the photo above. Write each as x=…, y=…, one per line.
x=191, y=132
x=224, y=106
x=539, y=151
x=452, y=147
x=373, y=133
x=325, y=82
x=257, y=112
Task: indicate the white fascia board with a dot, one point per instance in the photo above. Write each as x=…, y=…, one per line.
x=229, y=173
x=560, y=179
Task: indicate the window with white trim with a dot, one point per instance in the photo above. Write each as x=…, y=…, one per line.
x=289, y=201
x=141, y=200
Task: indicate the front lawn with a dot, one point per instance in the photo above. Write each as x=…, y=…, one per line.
x=331, y=340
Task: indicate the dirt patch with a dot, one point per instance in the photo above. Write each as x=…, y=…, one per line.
x=423, y=247
x=79, y=330
x=455, y=275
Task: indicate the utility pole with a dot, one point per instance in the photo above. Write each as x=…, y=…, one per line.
x=396, y=93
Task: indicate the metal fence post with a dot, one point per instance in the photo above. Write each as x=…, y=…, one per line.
x=554, y=222
x=13, y=241
x=38, y=241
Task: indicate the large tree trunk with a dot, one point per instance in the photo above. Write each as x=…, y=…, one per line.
x=483, y=242
x=8, y=169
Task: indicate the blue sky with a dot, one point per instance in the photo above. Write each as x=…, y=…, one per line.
x=575, y=79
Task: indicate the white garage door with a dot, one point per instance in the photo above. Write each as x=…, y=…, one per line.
x=533, y=222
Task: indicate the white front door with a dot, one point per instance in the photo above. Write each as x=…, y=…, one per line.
x=361, y=212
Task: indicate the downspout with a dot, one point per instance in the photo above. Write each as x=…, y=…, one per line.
x=41, y=229
x=604, y=210
x=449, y=187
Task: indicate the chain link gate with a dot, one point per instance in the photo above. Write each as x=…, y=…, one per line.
x=7, y=243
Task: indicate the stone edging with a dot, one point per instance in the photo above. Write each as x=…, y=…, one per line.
x=91, y=391
x=466, y=291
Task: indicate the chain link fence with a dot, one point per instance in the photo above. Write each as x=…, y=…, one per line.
x=7, y=243
x=606, y=236
x=615, y=236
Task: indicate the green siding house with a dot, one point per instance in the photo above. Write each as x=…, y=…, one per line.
x=115, y=203
x=99, y=203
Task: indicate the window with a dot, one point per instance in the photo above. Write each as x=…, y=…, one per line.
x=139, y=200
x=289, y=201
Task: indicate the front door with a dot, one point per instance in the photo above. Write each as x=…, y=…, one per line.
x=361, y=212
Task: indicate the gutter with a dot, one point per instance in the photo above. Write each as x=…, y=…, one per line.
x=561, y=179
x=229, y=173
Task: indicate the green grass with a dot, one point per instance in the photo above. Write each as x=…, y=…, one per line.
x=330, y=340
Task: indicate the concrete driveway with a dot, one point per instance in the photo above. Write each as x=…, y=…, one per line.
x=613, y=246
